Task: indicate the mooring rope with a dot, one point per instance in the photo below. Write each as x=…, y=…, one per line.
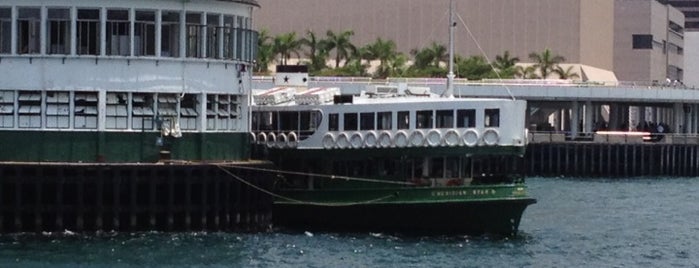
x=332, y=177
x=325, y=204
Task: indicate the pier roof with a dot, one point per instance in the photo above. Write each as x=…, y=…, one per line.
x=251, y=2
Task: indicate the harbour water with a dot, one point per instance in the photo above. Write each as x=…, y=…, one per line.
x=644, y=222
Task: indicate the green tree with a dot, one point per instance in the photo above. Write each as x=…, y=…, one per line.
x=546, y=62
x=505, y=65
x=430, y=56
x=264, y=52
x=285, y=45
x=341, y=44
x=567, y=73
x=317, y=51
x=384, y=51
x=473, y=68
x=528, y=72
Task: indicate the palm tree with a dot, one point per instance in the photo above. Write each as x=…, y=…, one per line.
x=546, y=62
x=341, y=44
x=474, y=68
x=429, y=56
x=285, y=45
x=264, y=51
x=528, y=72
x=317, y=51
x=384, y=51
x=567, y=73
x=505, y=65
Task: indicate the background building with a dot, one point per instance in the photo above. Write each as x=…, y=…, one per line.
x=583, y=31
x=690, y=8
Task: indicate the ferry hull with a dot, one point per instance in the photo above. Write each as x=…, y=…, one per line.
x=499, y=217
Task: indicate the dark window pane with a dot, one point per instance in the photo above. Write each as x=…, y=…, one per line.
x=642, y=41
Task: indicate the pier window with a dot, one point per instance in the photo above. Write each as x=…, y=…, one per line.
x=492, y=118
x=466, y=118
x=29, y=109
x=333, y=122
x=170, y=34
x=366, y=121
x=228, y=37
x=445, y=118
x=85, y=110
x=144, y=33
x=7, y=109
x=28, y=30
x=212, y=36
x=189, y=105
x=423, y=119
x=384, y=121
x=5, y=30
x=194, y=37
x=142, y=111
x=118, y=33
x=58, y=31
x=350, y=122
x=117, y=115
x=88, y=32
x=58, y=109
x=403, y=120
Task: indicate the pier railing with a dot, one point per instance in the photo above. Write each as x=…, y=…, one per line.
x=617, y=137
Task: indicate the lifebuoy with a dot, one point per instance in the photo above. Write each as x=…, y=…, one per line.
x=401, y=139
x=293, y=139
x=356, y=140
x=262, y=137
x=370, y=139
x=385, y=139
x=253, y=138
x=470, y=137
x=271, y=139
x=417, y=138
x=434, y=137
x=329, y=141
x=451, y=138
x=342, y=141
x=282, y=140
x=491, y=137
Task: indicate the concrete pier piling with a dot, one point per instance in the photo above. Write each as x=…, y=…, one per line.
x=167, y=197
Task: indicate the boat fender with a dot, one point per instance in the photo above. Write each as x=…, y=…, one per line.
x=451, y=138
x=356, y=140
x=401, y=139
x=470, y=137
x=271, y=139
x=282, y=140
x=385, y=139
x=370, y=139
x=434, y=137
x=417, y=138
x=261, y=137
x=342, y=141
x=491, y=136
x=329, y=141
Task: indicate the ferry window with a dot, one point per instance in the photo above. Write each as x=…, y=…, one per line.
x=7, y=109
x=228, y=37
x=404, y=120
x=193, y=35
x=436, y=167
x=239, y=38
x=189, y=107
x=423, y=119
x=144, y=33
x=142, y=111
x=350, y=122
x=170, y=34
x=5, y=30
x=466, y=118
x=384, y=121
x=85, y=110
x=288, y=121
x=58, y=31
x=212, y=36
x=118, y=33
x=117, y=110
x=167, y=105
x=445, y=118
x=219, y=112
x=333, y=122
x=366, y=121
x=28, y=29
x=492, y=117
x=88, y=32
x=58, y=109
x=29, y=109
